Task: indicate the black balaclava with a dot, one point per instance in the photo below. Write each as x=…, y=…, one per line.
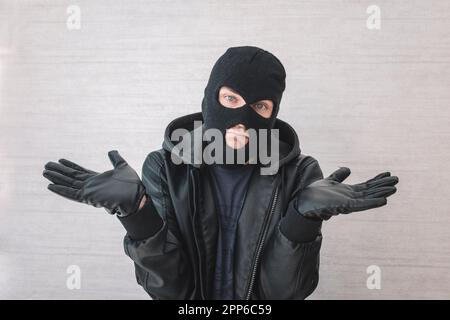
x=256, y=75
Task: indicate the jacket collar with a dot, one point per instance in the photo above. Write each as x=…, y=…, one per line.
x=288, y=141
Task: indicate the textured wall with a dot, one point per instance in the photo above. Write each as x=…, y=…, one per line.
x=372, y=100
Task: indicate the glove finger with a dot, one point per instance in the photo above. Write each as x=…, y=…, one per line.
x=75, y=166
x=67, y=171
x=116, y=159
x=379, y=176
x=382, y=192
x=58, y=178
x=66, y=192
x=383, y=182
x=366, y=204
x=340, y=174
x=363, y=185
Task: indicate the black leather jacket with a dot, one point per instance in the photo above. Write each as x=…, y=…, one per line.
x=177, y=262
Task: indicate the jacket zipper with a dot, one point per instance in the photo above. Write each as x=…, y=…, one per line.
x=260, y=246
x=196, y=240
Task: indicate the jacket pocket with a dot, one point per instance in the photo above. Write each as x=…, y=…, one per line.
x=289, y=270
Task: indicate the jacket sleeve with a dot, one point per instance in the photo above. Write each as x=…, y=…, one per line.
x=290, y=263
x=161, y=265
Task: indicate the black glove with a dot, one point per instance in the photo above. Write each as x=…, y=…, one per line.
x=328, y=197
x=119, y=191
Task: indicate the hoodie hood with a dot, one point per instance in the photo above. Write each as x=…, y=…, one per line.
x=288, y=141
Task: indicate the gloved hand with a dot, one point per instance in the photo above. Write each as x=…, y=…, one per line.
x=328, y=197
x=119, y=191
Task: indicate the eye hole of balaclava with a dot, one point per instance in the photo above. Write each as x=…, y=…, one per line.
x=232, y=99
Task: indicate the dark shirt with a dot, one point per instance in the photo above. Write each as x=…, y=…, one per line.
x=229, y=187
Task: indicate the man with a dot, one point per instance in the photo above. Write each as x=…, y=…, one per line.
x=221, y=230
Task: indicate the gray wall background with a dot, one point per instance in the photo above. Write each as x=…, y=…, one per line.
x=372, y=100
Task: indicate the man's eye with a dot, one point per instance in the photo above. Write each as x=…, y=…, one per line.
x=230, y=98
x=261, y=106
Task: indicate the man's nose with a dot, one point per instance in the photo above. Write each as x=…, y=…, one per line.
x=239, y=126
